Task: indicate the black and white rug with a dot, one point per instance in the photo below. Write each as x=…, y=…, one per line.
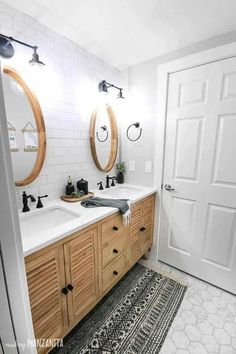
x=134, y=317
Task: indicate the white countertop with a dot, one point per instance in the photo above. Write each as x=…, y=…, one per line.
x=86, y=216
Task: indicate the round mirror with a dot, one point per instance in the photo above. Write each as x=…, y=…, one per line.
x=26, y=129
x=103, y=138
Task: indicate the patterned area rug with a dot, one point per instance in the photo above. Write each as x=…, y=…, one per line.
x=134, y=317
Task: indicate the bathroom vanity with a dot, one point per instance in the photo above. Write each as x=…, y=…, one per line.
x=71, y=272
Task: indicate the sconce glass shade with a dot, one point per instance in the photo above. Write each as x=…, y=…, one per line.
x=120, y=94
x=102, y=87
x=6, y=48
x=35, y=58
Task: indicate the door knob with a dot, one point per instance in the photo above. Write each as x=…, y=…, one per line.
x=70, y=287
x=64, y=291
x=169, y=188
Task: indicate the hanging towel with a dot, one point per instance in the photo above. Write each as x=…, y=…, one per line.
x=122, y=204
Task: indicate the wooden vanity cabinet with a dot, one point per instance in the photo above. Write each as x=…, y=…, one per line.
x=62, y=284
x=68, y=278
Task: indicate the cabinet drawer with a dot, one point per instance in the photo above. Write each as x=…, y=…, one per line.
x=113, y=273
x=111, y=228
x=113, y=250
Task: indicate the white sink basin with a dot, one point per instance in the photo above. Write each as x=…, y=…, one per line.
x=119, y=192
x=39, y=221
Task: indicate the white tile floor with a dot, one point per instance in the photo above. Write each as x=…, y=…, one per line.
x=206, y=320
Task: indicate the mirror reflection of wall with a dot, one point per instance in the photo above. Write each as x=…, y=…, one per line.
x=26, y=129
x=19, y=114
x=103, y=152
x=103, y=147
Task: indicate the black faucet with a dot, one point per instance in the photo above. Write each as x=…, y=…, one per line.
x=100, y=186
x=40, y=204
x=112, y=183
x=107, y=182
x=25, y=201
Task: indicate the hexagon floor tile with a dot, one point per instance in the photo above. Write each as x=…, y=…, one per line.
x=206, y=320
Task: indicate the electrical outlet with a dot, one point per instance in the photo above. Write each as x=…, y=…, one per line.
x=148, y=166
x=132, y=165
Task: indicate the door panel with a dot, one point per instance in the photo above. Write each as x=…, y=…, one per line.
x=188, y=147
x=180, y=235
x=220, y=235
x=229, y=86
x=81, y=273
x=224, y=168
x=198, y=223
x=46, y=278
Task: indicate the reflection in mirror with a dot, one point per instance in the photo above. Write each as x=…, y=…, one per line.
x=103, y=138
x=103, y=146
x=26, y=128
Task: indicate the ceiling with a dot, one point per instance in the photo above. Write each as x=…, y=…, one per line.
x=126, y=32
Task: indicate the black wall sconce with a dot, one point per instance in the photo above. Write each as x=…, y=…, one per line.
x=104, y=128
x=136, y=125
x=7, y=50
x=103, y=86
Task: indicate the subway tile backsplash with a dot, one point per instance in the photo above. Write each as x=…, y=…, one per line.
x=65, y=88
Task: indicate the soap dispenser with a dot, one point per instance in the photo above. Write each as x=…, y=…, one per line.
x=82, y=185
x=69, y=188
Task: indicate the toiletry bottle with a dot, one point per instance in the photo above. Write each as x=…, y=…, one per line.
x=69, y=188
x=82, y=185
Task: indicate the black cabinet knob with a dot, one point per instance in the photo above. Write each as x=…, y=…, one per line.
x=115, y=228
x=115, y=251
x=65, y=291
x=70, y=287
x=143, y=228
x=115, y=272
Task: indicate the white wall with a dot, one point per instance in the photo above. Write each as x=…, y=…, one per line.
x=67, y=91
x=141, y=85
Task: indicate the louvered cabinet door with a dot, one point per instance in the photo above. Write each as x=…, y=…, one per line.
x=146, y=230
x=81, y=272
x=46, y=278
x=134, y=243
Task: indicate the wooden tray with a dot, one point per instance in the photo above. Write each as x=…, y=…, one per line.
x=71, y=199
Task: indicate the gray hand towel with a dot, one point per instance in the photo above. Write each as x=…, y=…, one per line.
x=94, y=202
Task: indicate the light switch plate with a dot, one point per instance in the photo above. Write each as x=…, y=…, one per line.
x=132, y=165
x=148, y=166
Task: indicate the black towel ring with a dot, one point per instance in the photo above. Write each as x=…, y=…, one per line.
x=104, y=128
x=136, y=125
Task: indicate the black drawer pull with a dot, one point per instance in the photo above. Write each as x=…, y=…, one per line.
x=143, y=228
x=115, y=272
x=70, y=287
x=115, y=251
x=115, y=228
x=65, y=291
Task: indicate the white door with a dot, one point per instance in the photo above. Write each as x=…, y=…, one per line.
x=198, y=221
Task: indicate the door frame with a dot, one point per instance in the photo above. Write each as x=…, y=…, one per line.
x=163, y=72
x=12, y=257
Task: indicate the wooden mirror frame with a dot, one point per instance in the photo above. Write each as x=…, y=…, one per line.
x=34, y=103
x=114, y=139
